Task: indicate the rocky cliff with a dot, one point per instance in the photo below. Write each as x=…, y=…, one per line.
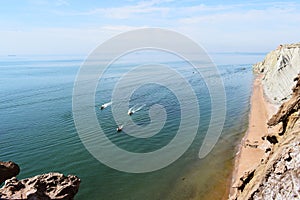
x=278, y=174
x=279, y=68
x=45, y=186
x=8, y=170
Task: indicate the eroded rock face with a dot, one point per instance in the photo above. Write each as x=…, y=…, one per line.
x=278, y=175
x=8, y=170
x=289, y=107
x=283, y=179
x=46, y=186
x=279, y=68
x=244, y=180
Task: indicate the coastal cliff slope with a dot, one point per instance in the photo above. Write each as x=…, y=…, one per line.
x=278, y=174
x=45, y=186
x=279, y=68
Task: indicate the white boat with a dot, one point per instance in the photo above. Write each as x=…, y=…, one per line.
x=119, y=129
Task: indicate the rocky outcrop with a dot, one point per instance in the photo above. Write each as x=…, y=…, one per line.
x=8, y=170
x=41, y=187
x=279, y=68
x=282, y=178
x=278, y=174
x=279, y=177
x=288, y=107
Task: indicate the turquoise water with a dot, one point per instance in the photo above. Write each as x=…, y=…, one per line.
x=37, y=129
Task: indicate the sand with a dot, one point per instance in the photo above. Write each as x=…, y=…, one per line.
x=251, y=148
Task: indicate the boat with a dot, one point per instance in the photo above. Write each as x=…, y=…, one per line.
x=105, y=105
x=119, y=129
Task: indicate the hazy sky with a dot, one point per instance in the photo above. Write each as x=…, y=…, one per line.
x=77, y=27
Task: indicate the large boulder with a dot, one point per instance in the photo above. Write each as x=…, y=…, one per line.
x=8, y=170
x=41, y=187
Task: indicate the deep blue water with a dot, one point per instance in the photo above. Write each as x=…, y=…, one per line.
x=38, y=132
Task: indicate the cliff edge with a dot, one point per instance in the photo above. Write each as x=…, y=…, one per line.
x=279, y=69
x=44, y=187
x=278, y=174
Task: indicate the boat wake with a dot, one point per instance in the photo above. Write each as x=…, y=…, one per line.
x=135, y=108
x=105, y=105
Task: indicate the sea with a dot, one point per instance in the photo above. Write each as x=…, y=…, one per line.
x=38, y=131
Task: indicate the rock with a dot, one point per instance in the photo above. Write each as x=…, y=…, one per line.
x=278, y=175
x=277, y=178
x=8, y=170
x=279, y=69
x=283, y=180
x=46, y=186
x=287, y=108
x=293, y=119
x=272, y=139
x=267, y=150
x=244, y=180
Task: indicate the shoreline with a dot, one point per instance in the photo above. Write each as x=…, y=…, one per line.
x=250, y=149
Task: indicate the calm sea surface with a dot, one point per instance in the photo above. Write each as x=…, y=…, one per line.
x=37, y=129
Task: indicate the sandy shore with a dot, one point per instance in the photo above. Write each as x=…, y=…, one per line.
x=251, y=148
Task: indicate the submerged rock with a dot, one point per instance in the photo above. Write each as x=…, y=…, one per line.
x=46, y=186
x=8, y=170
